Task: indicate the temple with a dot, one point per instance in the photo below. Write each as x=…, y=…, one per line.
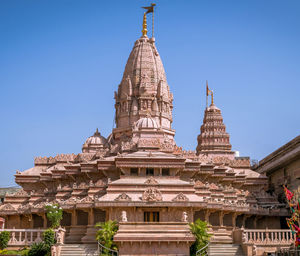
x=141, y=178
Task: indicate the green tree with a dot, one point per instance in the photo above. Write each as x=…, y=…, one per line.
x=105, y=234
x=39, y=249
x=199, y=229
x=54, y=214
x=4, y=238
x=49, y=237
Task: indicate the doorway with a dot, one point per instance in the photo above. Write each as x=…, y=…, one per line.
x=151, y=216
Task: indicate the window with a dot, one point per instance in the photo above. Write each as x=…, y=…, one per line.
x=151, y=216
x=134, y=171
x=149, y=171
x=165, y=171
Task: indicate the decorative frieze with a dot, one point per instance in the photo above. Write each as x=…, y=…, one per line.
x=123, y=197
x=152, y=194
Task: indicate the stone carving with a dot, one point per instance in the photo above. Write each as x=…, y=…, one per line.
x=128, y=145
x=180, y=198
x=151, y=181
x=87, y=199
x=99, y=183
x=184, y=217
x=199, y=184
x=71, y=200
x=168, y=144
x=60, y=235
x=124, y=216
x=7, y=207
x=24, y=208
x=152, y=195
x=82, y=185
x=20, y=193
x=142, y=143
x=91, y=184
x=123, y=197
x=40, y=205
x=213, y=186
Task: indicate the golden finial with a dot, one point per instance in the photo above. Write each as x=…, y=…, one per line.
x=144, y=31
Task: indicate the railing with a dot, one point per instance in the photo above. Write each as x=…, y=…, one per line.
x=202, y=251
x=267, y=236
x=25, y=237
x=102, y=250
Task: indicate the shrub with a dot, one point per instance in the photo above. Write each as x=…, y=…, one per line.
x=54, y=214
x=39, y=249
x=4, y=238
x=105, y=234
x=49, y=237
x=199, y=230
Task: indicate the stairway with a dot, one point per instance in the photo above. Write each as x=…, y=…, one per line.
x=79, y=250
x=215, y=249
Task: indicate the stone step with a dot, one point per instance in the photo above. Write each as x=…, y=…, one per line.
x=79, y=250
x=215, y=249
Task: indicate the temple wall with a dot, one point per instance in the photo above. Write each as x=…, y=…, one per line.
x=25, y=222
x=13, y=221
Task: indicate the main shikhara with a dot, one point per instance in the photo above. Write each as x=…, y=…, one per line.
x=141, y=178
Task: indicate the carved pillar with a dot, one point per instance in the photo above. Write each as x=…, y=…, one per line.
x=74, y=218
x=244, y=221
x=221, y=216
x=91, y=217
x=110, y=214
x=255, y=222
x=44, y=220
x=31, y=221
x=207, y=213
x=234, y=215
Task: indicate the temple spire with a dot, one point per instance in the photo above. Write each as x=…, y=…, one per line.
x=213, y=138
x=144, y=31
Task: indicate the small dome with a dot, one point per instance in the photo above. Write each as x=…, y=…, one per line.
x=94, y=142
x=146, y=123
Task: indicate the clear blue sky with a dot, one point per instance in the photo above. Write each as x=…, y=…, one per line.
x=61, y=61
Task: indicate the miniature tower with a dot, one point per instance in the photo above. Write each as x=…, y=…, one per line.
x=213, y=138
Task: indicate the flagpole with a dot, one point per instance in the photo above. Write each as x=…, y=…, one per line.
x=206, y=94
x=153, y=22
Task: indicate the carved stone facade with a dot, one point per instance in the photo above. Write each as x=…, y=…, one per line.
x=138, y=175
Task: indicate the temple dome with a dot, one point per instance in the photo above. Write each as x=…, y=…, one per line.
x=93, y=143
x=146, y=123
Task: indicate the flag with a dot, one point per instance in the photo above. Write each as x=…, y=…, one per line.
x=149, y=8
x=208, y=91
x=289, y=195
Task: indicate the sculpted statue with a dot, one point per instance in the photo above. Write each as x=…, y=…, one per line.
x=124, y=216
x=60, y=235
x=184, y=217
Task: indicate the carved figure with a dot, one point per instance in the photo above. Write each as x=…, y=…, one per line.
x=152, y=195
x=151, y=181
x=180, y=198
x=123, y=197
x=184, y=217
x=124, y=216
